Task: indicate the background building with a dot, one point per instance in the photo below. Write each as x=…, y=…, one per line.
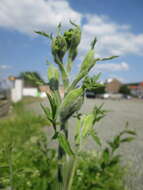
x=112, y=85
x=136, y=89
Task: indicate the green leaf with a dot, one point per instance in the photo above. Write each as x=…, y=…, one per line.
x=44, y=34
x=32, y=76
x=85, y=70
x=84, y=127
x=130, y=132
x=64, y=143
x=55, y=136
x=115, y=144
x=72, y=55
x=71, y=96
x=114, y=161
x=99, y=113
x=73, y=23
x=93, y=43
x=95, y=137
x=90, y=83
x=88, y=60
x=106, y=58
x=53, y=72
x=53, y=104
x=106, y=155
x=47, y=112
x=86, y=124
x=63, y=71
x=128, y=139
x=71, y=103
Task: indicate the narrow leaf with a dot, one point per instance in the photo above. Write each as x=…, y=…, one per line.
x=128, y=139
x=43, y=34
x=84, y=127
x=95, y=137
x=93, y=43
x=53, y=72
x=47, y=112
x=65, y=144
x=55, y=136
x=115, y=160
x=106, y=154
x=63, y=71
x=106, y=58
x=52, y=104
x=130, y=132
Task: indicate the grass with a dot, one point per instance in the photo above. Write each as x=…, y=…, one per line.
x=30, y=99
x=21, y=135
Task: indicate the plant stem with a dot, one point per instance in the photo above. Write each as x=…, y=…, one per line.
x=61, y=152
x=69, y=186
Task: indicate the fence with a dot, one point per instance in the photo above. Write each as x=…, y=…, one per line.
x=4, y=107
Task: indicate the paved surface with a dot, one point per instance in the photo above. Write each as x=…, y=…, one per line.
x=120, y=111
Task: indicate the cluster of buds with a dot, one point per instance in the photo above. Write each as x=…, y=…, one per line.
x=59, y=47
x=67, y=42
x=73, y=37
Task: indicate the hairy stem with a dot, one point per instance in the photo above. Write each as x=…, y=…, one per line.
x=61, y=152
x=72, y=173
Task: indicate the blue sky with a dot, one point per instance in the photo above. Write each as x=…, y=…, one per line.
x=116, y=23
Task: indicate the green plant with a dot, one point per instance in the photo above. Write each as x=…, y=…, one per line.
x=102, y=171
x=62, y=109
x=30, y=82
x=27, y=160
x=90, y=174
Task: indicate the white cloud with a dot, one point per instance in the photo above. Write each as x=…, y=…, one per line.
x=121, y=79
x=113, y=38
x=29, y=15
x=109, y=67
x=3, y=67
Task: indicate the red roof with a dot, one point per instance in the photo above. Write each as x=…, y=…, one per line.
x=141, y=84
x=133, y=87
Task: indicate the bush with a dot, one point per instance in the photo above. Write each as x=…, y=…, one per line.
x=124, y=89
x=91, y=174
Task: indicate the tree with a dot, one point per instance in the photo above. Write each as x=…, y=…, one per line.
x=124, y=89
x=31, y=78
x=100, y=90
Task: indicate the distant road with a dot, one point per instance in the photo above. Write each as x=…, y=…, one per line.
x=120, y=111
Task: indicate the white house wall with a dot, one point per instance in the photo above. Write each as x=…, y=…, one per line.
x=17, y=91
x=30, y=92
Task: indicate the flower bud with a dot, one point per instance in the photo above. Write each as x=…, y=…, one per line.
x=59, y=47
x=53, y=76
x=73, y=37
x=71, y=103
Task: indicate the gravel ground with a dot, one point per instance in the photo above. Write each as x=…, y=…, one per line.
x=120, y=111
